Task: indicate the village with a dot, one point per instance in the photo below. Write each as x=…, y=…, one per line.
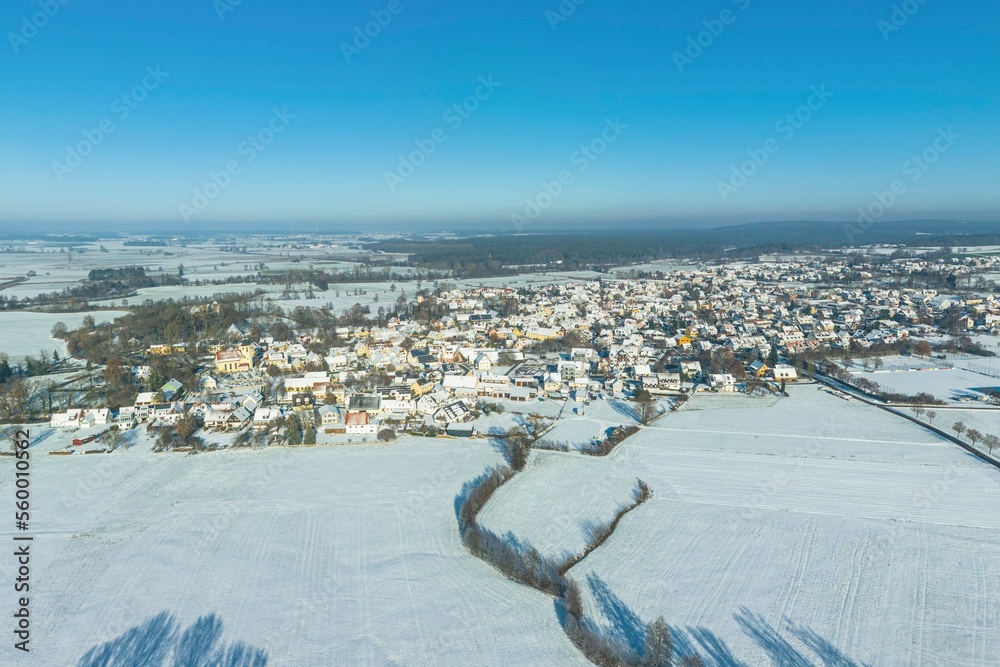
x=550, y=350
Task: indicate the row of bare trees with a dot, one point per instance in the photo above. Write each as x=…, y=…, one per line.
x=523, y=563
x=975, y=436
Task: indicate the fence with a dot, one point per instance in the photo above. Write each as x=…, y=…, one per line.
x=984, y=369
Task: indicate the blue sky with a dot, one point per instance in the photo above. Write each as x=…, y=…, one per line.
x=350, y=146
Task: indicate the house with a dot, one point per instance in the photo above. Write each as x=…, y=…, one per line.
x=71, y=418
x=456, y=411
x=126, y=417
x=784, y=372
x=523, y=394
x=144, y=404
x=171, y=388
x=461, y=384
x=252, y=400
x=358, y=422
x=690, y=369
x=166, y=413
x=483, y=362
x=330, y=415
x=96, y=417
x=722, y=382
x=669, y=381
x=367, y=403
x=315, y=383
x=227, y=420
x=263, y=418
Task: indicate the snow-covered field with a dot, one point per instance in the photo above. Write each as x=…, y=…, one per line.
x=809, y=531
x=25, y=334
x=984, y=419
x=575, y=433
x=540, y=508
x=949, y=380
x=320, y=556
x=805, y=530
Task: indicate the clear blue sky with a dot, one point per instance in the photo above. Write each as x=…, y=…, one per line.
x=891, y=93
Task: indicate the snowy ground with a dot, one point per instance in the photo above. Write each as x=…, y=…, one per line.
x=984, y=419
x=807, y=531
x=319, y=555
x=540, y=508
x=575, y=433
x=25, y=334
x=964, y=379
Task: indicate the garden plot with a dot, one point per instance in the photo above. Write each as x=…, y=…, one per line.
x=557, y=501
x=318, y=555
x=806, y=530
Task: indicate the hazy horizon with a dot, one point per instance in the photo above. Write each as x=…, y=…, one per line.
x=557, y=115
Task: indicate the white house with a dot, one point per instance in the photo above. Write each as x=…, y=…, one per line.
x=264, y=417
x=722, y=382
x=785, y=372
x=71, y=418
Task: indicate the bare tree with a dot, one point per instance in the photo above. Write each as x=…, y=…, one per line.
x=517, y=445
x=958, y=428
x=974, y=436
x=931, y=415
x=648, y=409
x=658, y=648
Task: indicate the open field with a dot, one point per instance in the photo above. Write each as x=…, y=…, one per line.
x=25, y=333
x=319, y=556
x=575, y=433
x=541, y=508
x=949, y=380
x=807, y=532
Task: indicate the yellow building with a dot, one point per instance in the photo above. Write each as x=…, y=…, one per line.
x=233, y=361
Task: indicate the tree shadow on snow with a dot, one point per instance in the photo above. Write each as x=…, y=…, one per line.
x=159, y=642
x=827, y=652
x=782, y=653
x=625, y=409
x=713, y=649
x=768, y=638
x=625, y=626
